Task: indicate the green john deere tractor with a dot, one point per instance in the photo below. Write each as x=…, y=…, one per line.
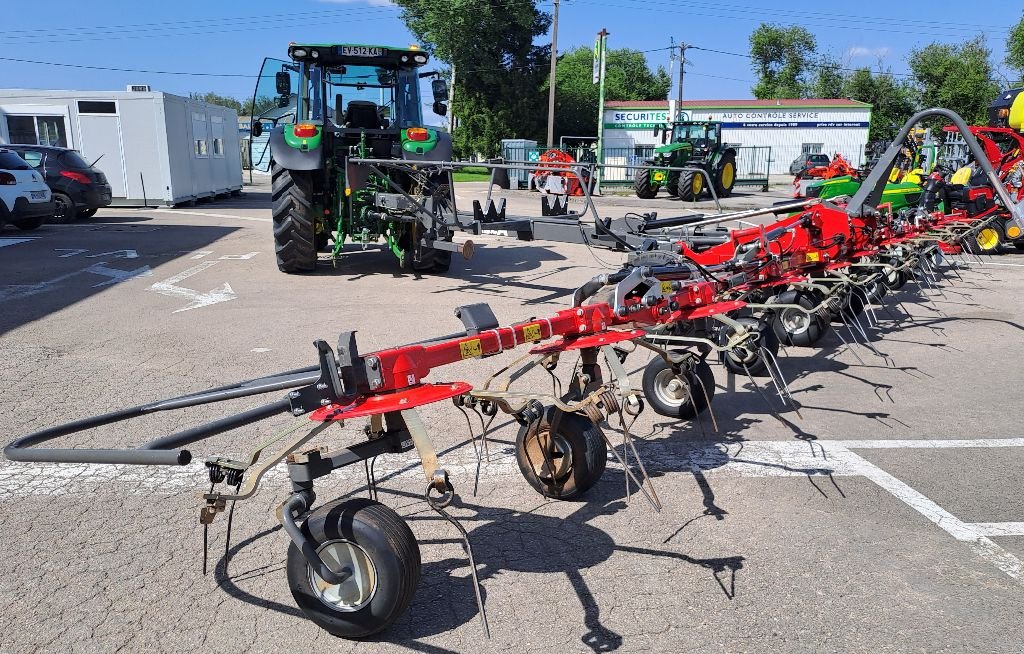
x=693, y=144
x=326, y=109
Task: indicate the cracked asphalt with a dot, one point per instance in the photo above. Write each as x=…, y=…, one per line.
x=887, y=517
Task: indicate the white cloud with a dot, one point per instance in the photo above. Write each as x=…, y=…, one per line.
x=862, y=51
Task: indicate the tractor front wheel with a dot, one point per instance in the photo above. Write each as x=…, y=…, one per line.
x=642, y=184
x=725, y=176
x=295, y=237
x=691, y=185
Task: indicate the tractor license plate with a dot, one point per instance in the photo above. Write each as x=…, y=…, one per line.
x=362, y=51
x=38, y=195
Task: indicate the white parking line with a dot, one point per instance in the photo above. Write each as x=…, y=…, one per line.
x=998, y=528
x=213, y=215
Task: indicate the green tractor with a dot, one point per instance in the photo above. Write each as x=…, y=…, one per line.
x=326, y=109
x=693, y=144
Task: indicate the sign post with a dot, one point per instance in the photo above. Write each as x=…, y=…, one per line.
x=600, y=56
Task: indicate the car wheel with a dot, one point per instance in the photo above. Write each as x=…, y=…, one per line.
x=63, y=210
x=87, y=213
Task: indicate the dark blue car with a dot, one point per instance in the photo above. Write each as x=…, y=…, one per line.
x=79, y=189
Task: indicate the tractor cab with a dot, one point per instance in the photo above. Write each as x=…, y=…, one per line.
x=700, y=137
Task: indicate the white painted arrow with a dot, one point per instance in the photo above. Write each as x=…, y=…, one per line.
x=169, y=288
x=70, y=252
x=116, y=274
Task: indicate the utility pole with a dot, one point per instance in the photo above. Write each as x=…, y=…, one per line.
x=679, y=89
x=600, y=59
x=551, y=79
x=451, y=103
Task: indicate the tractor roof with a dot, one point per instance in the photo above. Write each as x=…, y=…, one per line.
x=356, y=54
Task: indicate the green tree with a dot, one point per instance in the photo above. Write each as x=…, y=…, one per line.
x=828, y=80
x=214, y=98
x=498, y=69
x=891, y=100
x=957, y=76
x=627, y=77
x=263, y=103
x=784, y=60
x=1015, y=50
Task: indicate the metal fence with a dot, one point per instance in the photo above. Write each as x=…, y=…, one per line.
x=620, y=164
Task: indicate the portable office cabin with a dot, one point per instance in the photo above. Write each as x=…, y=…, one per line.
x=154, y=147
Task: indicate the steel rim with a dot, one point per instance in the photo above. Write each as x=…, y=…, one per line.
x=728, y=174
x=988, y=239
x=669, y=393
x=794, y=321
x=559, y=452
x=355, y=592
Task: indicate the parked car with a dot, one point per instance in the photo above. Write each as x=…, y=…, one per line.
x=79, y=188
x=806, y=161
x=25, y=199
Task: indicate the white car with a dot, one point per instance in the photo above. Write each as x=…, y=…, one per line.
x=25, y=199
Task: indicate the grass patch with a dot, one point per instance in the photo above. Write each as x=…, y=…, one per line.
x=472, y=175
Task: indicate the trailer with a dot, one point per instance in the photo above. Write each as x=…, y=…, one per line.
x=155, y=148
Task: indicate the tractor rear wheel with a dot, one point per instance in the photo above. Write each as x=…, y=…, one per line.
x=691, y=185
x=295, y=238
x=642, y=184
x=725, y=176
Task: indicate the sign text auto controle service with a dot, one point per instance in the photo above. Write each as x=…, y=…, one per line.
x=784, y=119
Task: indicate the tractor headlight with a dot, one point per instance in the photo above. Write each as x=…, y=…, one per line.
x=314, y=53
x=420, y=59
x=299, y=52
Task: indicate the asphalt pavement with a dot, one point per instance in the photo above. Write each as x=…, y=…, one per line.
x=886, y=517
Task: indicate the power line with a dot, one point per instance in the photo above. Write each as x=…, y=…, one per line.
x=811, y=64
x=123, y=70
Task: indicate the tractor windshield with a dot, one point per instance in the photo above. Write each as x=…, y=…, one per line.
x=689, y=132
x=367, y=97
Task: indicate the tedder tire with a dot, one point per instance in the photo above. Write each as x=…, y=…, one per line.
x=433, y=260
x=753, y=359
x=691, y=185
x=577, y=451
x=381, y=550
x=725, y=176
x=64, y=211
x=642, y=184
x=294, y=228
x=686, y=402
x=795, y=327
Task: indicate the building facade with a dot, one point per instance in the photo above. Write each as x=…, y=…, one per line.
x=791, y=128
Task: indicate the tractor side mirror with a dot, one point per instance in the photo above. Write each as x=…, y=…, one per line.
x=439, y=87
x=283, y=101
x=256, y=129
x=440, y=108
x=283, y=82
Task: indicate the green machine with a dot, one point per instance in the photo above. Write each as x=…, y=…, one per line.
x=900, y=194
x=331, y=110
x=692, y=144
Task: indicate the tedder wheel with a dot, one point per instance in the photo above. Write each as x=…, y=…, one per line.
x=380, y=549
x=87, y=213
x=691, y=185
x=684, y=396
x=750, y=354
x=986, y=241
x=795, y=327
x=576, y=454
x=725, y=176
x=64, y=211
x=894, y=278
x=642, y=184
x=294, y=228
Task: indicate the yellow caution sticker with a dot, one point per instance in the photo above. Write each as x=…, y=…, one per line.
x=531, y=332
x=470, y=349
x=813, y=256
x=666, y=288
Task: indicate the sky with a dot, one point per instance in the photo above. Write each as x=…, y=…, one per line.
x=222, y=44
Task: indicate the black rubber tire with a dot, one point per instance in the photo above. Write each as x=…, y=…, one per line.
x=1018, y=244
x=28, y=224
x=807, y=335
x=64, y=211
x=987, y=241
x=722, y=188
x=389, y=544
x=433, y=260
x=322, y=239
x=672, y=185
x=294, y=228
x=658, y=372
x=691, y=185
x=87, y=213
x=587, y=450
x=755, y=362
x=642, y=184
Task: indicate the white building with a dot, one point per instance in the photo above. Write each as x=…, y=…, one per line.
x=154, y=148
x=790, y=127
